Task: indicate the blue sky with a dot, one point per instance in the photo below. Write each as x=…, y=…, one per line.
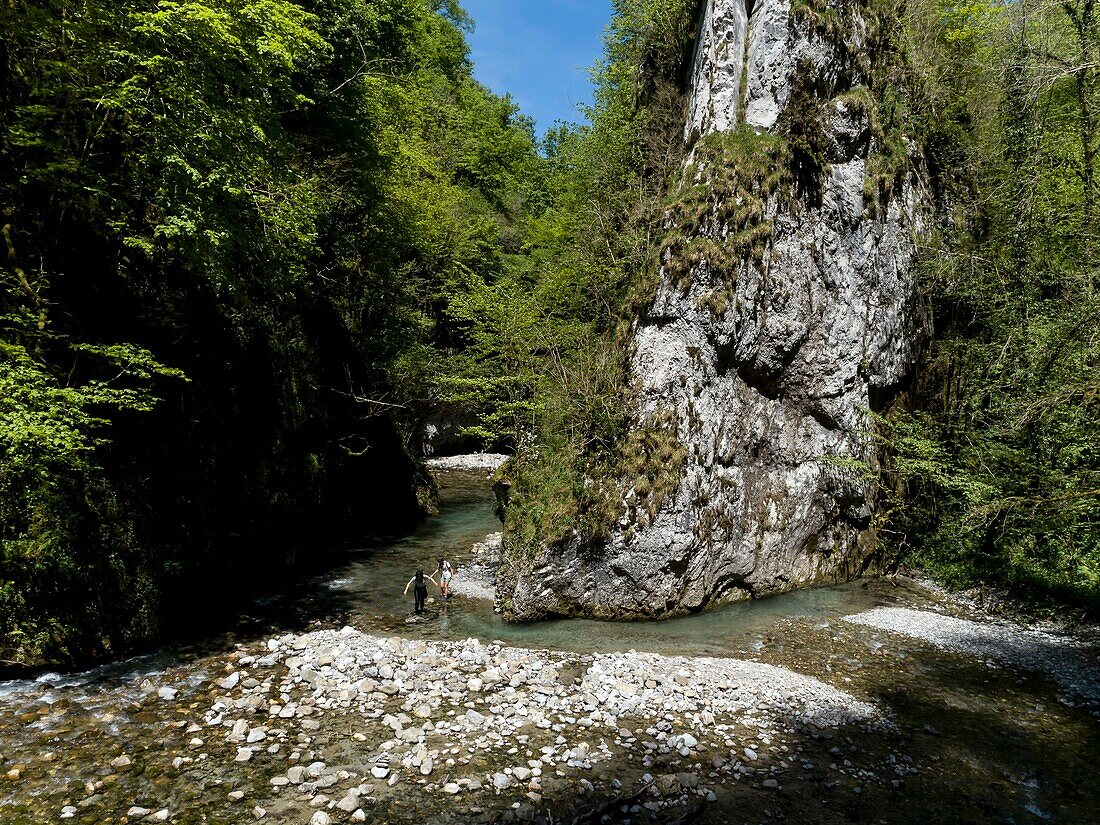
x=539, y=52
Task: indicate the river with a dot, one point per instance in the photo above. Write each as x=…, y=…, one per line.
x=967, y=738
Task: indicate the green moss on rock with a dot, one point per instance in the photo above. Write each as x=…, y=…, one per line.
x=718, y=217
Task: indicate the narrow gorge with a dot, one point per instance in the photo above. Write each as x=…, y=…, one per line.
x=785, y=318
x=748, y=414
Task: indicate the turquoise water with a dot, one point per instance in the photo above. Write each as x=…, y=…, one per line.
x=367, y=592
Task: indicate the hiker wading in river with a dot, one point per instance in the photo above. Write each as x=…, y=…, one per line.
x=419, y=584
x=445, y=571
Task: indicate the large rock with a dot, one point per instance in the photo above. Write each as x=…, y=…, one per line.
x=761, y=361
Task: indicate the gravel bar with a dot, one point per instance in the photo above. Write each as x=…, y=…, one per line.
x=1066, y=661
x=345, y=666
x=475, y=461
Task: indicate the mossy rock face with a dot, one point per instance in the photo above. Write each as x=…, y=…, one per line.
x=650, y=467
x=880, y=83
x=718, y=216
x=778, y=309
x=558, y=496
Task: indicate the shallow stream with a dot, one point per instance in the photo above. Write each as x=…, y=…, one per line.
x=990, y=743
x=367, y=593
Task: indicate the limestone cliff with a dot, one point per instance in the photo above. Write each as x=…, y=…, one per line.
x=784, y=314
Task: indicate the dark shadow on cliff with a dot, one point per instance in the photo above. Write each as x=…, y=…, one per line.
x=252, y=606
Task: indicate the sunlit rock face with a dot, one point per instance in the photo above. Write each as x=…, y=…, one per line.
x=817, y=331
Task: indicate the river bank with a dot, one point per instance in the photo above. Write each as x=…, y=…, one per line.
x=335, y=726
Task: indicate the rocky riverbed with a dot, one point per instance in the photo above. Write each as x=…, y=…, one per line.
x=507, y=728
x=348, y=726
x=869, y=704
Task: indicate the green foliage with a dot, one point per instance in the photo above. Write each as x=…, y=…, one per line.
x=46, y=426
x=299, y=206
x=994, y=477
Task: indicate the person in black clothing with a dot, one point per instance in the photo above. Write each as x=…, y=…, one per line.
x=419, y=584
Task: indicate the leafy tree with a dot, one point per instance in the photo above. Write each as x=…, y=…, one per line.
x=1000, y=467
x=279, y=202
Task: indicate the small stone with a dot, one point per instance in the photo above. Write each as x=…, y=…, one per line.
x=770, y=783
x=12, y=775
x=359, y=816
x=350, y=803
x=167, y=693
x=668, y=785
x=121, y=763
x=230, y=681
x=320, y=818
x=68, y=812
x=502, y=781
x=451, y=788
x=255, y=736
x=688, y=780
x=236, y=796
x=426, y=766
x=138, y=813
x=259, y=812
x=243, y=755
x=475, y=686
x=160, y=816
x=296, y=775
x=750, y=754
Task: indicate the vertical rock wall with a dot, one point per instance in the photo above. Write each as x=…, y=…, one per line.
x=765, y=389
